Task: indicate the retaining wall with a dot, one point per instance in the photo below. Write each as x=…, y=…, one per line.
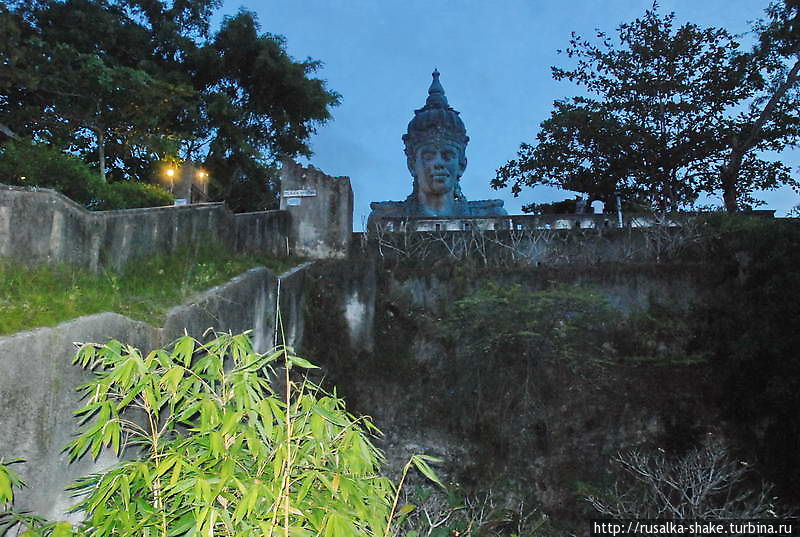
x=38, y=382
x=42, y=226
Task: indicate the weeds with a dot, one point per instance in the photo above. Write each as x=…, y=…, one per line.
x=144, y=290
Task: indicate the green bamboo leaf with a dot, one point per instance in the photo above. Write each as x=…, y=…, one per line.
x=176, y=472
x=184, y=349
x=181, y=525
x=301, y=362
x=406, y=509
x=125, y=491
x=330, y=416
x=215, y=443
x=172, y=378
x=308, y=481
x=129, y=396
x=116, y=438
x=85, y=355
x=277, y=410
x=165, y=464
x=62, y=529
x=425, y=469
x=317, y=426
x=6, y=492
x=230, y=420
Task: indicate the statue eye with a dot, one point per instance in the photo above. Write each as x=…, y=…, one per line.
x=427, y=155
x=448, y=155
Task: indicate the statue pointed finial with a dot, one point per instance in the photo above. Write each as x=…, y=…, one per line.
x=436, y=98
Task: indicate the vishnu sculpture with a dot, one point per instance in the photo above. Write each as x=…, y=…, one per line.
x=435, y=148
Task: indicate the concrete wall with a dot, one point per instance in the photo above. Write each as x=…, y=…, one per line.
x=321, y=209
x=577, y=247
x=38, y=381
x=42, y=226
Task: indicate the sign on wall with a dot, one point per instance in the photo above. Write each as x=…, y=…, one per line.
x=305, y=193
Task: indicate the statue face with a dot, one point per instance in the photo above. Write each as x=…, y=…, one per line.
x=437, y=167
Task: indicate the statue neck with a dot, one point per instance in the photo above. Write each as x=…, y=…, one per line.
x=437, y=204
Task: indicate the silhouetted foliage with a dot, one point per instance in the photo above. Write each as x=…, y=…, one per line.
x=125, y=84
x=664, y=108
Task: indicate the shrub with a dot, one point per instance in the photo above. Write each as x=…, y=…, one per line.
x=223, y=453
x=706, y=482
x=218, y=449
x=26, y=164
x=132, y=194
x=432, y=512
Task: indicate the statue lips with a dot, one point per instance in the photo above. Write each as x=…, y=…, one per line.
x=440, y=180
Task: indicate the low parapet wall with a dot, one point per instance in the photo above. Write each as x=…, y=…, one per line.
x=40, y=226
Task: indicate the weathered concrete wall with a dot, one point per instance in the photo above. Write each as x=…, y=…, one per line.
x=321, y=209
x=38, y=394
x=37, y=385
x=42, y=226
x=539, y=247
x=531, y=426
x=340, y=307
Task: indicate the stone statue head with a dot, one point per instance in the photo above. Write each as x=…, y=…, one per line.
x=435, y=146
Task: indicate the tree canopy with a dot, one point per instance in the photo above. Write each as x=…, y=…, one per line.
x=667, y=113
x=128, y=83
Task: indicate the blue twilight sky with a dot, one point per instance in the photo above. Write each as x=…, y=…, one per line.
x=494, y=58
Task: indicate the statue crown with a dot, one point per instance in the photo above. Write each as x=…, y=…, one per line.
x=437, y=121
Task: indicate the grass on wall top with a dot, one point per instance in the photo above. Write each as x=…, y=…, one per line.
x=145, y=290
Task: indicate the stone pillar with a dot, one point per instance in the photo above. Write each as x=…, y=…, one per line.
x=321, y=211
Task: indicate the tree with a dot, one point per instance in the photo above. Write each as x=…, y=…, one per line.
x=772, y=120
x=78, y=85
x=257, y=105
x=148, y=79
x=222, y=451
x=661, y=112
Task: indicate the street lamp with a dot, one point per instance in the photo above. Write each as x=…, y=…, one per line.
x=171, y=176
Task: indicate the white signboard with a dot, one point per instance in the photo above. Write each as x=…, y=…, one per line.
x=293, y=202
x=307, y=193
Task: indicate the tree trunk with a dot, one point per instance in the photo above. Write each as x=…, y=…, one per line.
x=730, y=172
x=728, y=175
x=101, y=153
